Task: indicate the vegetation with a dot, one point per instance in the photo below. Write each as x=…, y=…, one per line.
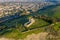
x=48, y=22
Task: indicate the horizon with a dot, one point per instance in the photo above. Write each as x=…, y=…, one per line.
x=28, y=0
x=18, y=0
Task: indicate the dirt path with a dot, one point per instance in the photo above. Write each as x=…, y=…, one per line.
x=31, y=20
x=5, y=38
x=39, y=36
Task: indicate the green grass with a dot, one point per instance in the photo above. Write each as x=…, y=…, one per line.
x=39, y=23
x=35, y=31
x=57, y=26
x=13, y=34
x=57, y=12
x=51, y=12
x=18, y=34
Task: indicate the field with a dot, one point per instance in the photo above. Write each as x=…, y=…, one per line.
x=37, y=27
x=15, y=28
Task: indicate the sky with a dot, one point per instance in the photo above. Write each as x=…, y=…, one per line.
x=18, y=0
x=25, y=0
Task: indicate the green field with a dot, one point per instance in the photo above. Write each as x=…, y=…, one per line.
x=57, y=12
x=39, y=23
x=16, y=33
x=14, y=28
x=53, y=11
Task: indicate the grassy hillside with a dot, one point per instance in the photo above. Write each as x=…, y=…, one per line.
x=57, y=12
x=16, y=26
x=51, y=11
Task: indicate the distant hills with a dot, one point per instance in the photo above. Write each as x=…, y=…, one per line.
x=29, y=0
